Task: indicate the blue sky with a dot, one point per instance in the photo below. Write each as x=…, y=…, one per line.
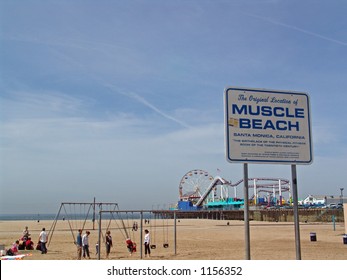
x=119, y=99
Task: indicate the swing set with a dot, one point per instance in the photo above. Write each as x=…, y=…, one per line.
x=127, y=229
x=76, y=214
x=165, y=230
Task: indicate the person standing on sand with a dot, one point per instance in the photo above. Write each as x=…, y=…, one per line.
x=79, y=244
x=43, y=238
x=108, y=243
x=146, y=242
x=85, y=244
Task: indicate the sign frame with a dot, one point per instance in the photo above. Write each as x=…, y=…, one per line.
x=267, y=114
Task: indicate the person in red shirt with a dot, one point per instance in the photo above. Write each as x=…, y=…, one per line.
x=29, y=245
x=130, y=245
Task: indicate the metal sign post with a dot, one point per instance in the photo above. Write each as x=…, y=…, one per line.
x=268, y=126
x=246, y=213
x=296, y=213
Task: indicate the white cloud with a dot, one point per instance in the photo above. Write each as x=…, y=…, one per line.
x=31, y=104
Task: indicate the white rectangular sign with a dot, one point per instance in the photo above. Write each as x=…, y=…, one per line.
x=267, y=126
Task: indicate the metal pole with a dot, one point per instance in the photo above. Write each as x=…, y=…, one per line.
x=141, y=233
x=280, y=191
x=255, y=192
x=246, y=212
x=94, y=214
x=175, y=232
x=99, y=238
x=296, y=212
x=53, y=226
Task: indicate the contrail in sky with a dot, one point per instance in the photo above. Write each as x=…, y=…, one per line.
x=154, y=108
x=298, y=29
x=143, y=101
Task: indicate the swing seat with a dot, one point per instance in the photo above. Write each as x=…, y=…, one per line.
x=166, y=245
x=153, y=246
x=134, y=247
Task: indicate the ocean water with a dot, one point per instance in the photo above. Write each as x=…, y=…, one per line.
x=26, y=217
x=71, y=216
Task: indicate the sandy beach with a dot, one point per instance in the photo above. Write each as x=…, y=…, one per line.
x=197, y=239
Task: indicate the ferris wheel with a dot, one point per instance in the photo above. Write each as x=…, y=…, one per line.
x=193, y=184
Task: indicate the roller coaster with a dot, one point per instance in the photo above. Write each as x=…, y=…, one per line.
x=200, y=190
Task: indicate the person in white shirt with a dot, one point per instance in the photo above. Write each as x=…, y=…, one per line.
x=146, y=242
x=43, y=238
x=85, y=244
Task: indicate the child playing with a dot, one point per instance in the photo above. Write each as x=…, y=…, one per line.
x=130, y=245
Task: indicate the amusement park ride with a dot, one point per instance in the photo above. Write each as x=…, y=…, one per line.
x=200, y=190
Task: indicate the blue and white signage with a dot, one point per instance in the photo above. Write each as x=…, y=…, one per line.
x=267, y=126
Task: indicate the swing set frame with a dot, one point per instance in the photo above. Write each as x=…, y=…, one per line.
x=141, y=212
x=90, y=206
